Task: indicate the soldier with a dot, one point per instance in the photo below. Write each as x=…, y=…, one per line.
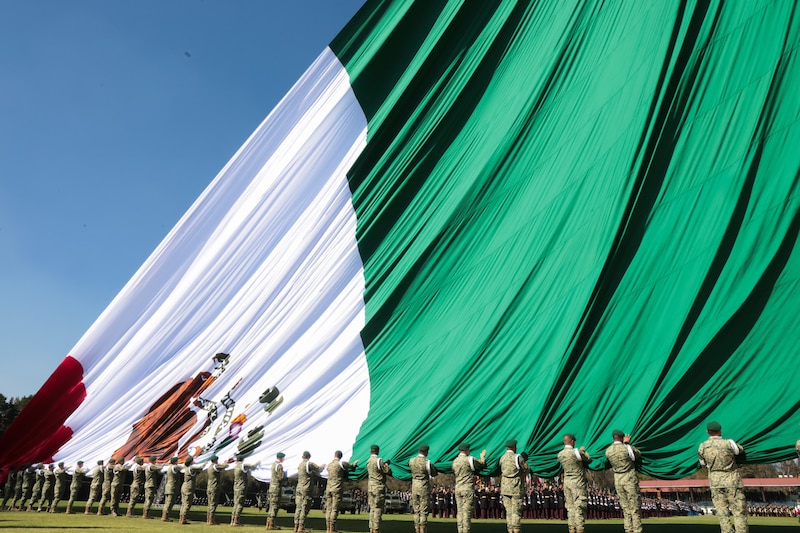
x=275, y=490
x=302, y=497
x=108, y=478
x=16, y=500
x=75, y=485
x=190, y=471
x=377, y=470
x=137, y=484
x=28, y=481
x=8, y=491
x=95, y=489
x=240, y=487
x=512, y=485
x=60, y=478
x=117, y=482
x=173, y=473
x=727, y=492
x=465, y=467
x=36, y=492
x=152, y=479
x=622, y=458
x=421, y=472
x=337, y=474
x=212, y=488
x=47, y=488
x=574, y=462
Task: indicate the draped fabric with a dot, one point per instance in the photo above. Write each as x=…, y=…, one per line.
x=475, y=221
x=575, y=216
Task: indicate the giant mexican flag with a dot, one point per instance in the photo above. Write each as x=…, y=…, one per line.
x=475, y=221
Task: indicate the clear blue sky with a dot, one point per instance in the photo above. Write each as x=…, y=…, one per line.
x=114, y=116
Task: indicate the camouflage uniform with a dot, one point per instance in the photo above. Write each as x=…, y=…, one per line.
x=108, y=477
x=95, y=488
x=275, y=493
x=622, y=458
x=75, y=486
x=152, y=479
x=421, y=472
x=117, y=483
x=138, y=471
x=47, y=490
x=212, y=490
x=512, y=487
x=36, y=493
x=377, y=471
x=11, y=482
x=727, y=490
x=464, y=470
x=17, y=500
x=574, y=462
x=302, y=497
x=173, y=474
x=60, y=477
x=239, y=489
x=337, y=474
x=187, y=489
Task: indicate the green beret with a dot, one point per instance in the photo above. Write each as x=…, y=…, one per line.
x=571, y=436
x=213, y=458
x=240, y=457
x=280, y=455
x=153, y=458
x=80, y=463
x=617, y=433
x=306, y=455
x=189, y=460
x=374, y=448
x=714, y=426
x=463, y=447
x=511, y=443
x=112, y=460
x=139, y=460
x=99, y=461
x=424, y=448
x=173, y=460
x=61, y=464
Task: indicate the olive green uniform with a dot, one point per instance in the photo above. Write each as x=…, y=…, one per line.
x=173, y=473
x=118, y=481
x=212, y=489
x=18, y=490
x=36, y=493
x=727, y=490
x=574, y=462
x=275, y=489
x=28, y=481
x=187, y=489
x=622, y=458
x=75, y=486
x=377, y=472
x=96, y=487
x=108, y=478
x=46, y=498
x=421, y=472
x=11, y=483
x=239, y=489
x=137, y=484
x=464, y=469
x=512, y=486
x=337, y=475
x=60, y=481
x=152, y=479
x=302, y=497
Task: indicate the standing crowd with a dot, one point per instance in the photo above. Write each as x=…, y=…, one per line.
x=40, y=488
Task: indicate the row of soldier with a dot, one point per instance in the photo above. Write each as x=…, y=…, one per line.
x=718, y=455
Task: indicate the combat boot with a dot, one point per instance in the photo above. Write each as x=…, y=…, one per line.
x=165, y=516
x=333, y=526
x=69, y=509
x=183, y=520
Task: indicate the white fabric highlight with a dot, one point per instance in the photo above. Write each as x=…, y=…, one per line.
x=265, y=267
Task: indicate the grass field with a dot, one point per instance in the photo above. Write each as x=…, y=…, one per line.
x=251, y=519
